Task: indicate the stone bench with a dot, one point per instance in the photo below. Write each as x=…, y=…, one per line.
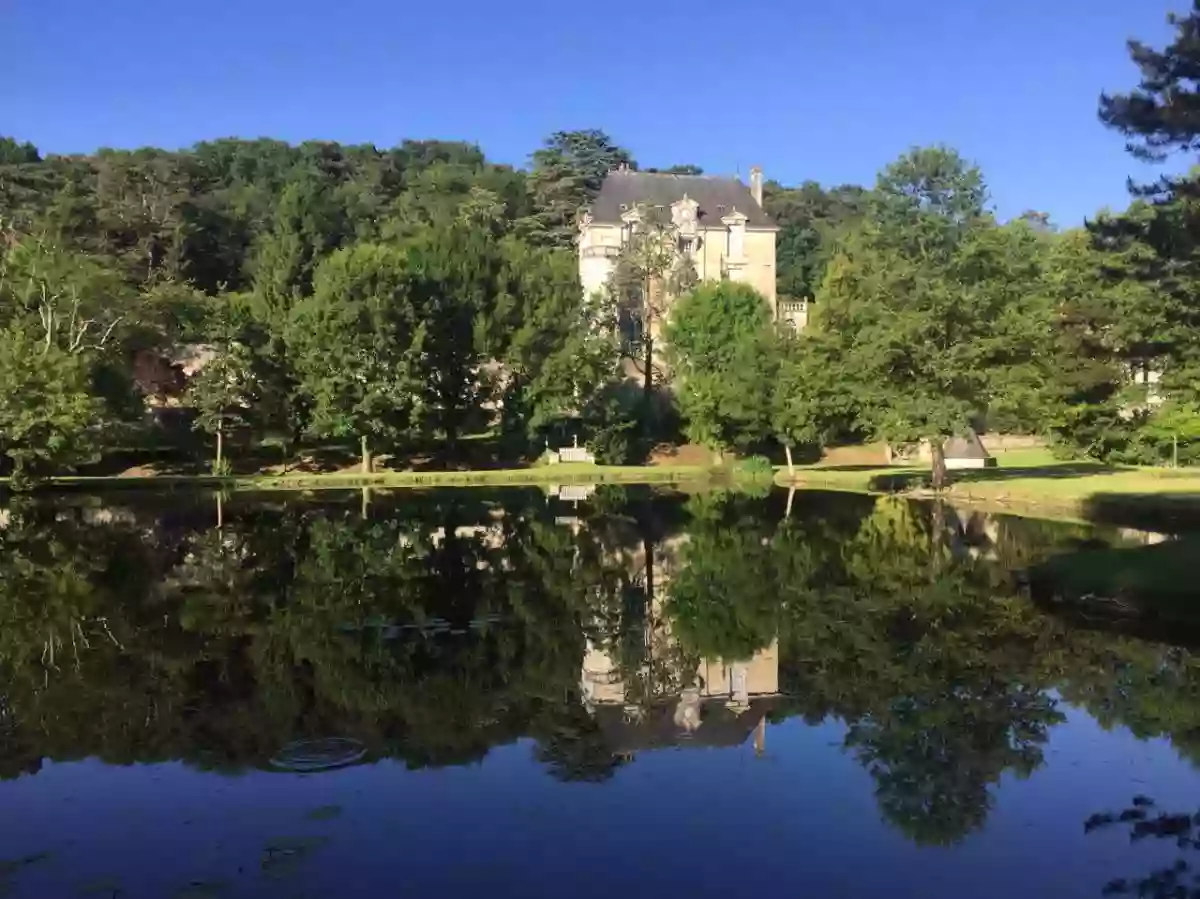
x=571, y=454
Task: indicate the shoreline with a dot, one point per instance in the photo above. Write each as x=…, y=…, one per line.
x=1132, y=497
x=568, y=474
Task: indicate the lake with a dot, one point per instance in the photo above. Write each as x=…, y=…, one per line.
x=619, y=692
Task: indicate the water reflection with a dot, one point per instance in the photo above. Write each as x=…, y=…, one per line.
x=308, y=635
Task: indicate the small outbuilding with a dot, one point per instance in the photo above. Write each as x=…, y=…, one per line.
x=967, y=452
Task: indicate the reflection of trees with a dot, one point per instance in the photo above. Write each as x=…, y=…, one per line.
x=432, y=633
x=934, y=756
x=888, y=621
x=435, y=628
x=1144, y=821
x=936, y=667
x=1150, y=688
x=56, y=586
x=724, y=602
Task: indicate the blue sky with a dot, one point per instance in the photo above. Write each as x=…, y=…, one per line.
x=829, y=90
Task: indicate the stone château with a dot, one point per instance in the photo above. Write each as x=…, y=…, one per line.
x=720, y=221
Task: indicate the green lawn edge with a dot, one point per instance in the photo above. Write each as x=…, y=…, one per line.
x=515, y=477
x=1044, y=489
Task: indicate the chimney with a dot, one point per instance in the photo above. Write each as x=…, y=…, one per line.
x=756, y=183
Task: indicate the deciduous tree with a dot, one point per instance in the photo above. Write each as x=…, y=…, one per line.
x=911, y=304
x=721, y=347
x=49, y=415
x=356, y=344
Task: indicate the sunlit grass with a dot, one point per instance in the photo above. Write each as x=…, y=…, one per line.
x=566, y=473
x=1032, y=478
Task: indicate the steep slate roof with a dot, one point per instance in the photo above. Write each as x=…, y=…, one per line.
x=970, y=447
x=717, y=197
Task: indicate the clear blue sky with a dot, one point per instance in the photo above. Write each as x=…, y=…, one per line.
x=824, y=89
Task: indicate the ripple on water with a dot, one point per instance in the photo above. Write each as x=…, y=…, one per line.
x=308, y=756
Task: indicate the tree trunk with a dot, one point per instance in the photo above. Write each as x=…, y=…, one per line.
x=787, y=448
x=220, y=510
x=787, y=514
x=366, y=503
x=647, y=384
x=937, y=455
x=220, y=445
x=297, y=434
x=648, y=620
x=648, y=552
x=366, y=456
x=939, y=537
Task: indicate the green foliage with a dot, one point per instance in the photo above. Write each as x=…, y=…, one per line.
x=1148, y=253
x=811, y=403
x=811, y=221
x=935, y=181
x=722, y=349
x=308, y=223
x=566, y=174
x=558, y=348
x=227, y=393
x=235, y=245
x=914, y=371
x=453, y=282
x=356, y=344
x=13, y=153
x=756, y=467
x=928, y=316
x=1159, y=115
x=48, y=415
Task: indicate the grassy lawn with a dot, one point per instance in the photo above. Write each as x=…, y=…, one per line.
x=1036, y=481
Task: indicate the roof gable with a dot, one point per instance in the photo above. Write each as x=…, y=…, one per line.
x=715, y=197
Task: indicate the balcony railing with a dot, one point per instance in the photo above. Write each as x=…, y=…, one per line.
x=601, y=252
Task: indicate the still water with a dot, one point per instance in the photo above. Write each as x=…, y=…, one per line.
x=624, y=694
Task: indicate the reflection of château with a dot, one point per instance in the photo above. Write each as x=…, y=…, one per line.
x=724, y=703
x=713, y=702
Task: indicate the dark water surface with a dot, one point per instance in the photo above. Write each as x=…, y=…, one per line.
x=635, y=694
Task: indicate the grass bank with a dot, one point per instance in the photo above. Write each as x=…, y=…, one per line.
x=545, y=475
x=1035, y=482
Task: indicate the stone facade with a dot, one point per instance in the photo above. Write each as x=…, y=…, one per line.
x=720, y=223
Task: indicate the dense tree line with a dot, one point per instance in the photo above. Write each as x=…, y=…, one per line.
x=930, y=317
x=394, y=299
x=344, y=292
